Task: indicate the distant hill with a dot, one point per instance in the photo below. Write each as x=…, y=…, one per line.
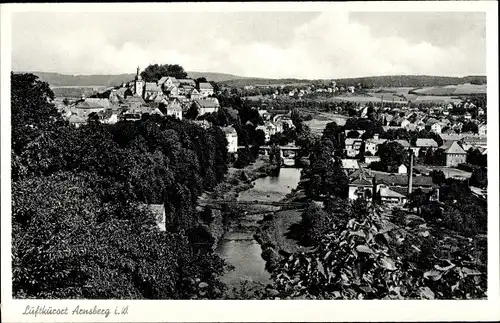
x=413, y=81
x=216, y=77
x=95, y=80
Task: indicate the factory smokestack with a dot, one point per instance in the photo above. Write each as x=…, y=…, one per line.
x=410, y=174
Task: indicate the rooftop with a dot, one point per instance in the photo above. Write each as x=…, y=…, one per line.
x=426, y=142
x=454, y=148
x=402, y=180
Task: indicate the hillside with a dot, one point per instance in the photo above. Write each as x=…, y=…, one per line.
x=412, y=81
x=95, y=80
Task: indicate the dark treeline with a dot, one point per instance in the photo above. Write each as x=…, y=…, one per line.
x=79, y=229
x=368, y=82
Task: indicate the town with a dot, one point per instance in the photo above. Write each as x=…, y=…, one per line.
x=315, y=155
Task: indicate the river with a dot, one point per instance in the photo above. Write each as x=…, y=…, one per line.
x=238, y=247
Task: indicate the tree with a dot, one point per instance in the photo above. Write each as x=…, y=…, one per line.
x=475, y=157
x=315, y=222
x=416, y=199
x=353, y=134
x=392, y=155
x=154, y=72
x=192, y=112
x=438, y=177
x=479, y=178
x=201, y=80
x=275, y=156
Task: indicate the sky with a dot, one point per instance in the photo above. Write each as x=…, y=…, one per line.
x=309, y=45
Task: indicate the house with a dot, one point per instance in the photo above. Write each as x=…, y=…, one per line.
x=205, y=89
x=152, y=89
x=360, y=184
x=403, y=143
x=187, y=82
x=371, y=145
x=134, y=101
x=350, y=165
x=184, y=89
x=89, y=105
x=352, y=146
x=422, y=145
x=436, y=128
x=371, y=159
x=455, y=155
x=467, y=116
x=206, y=106
x=419, y=125
x=482, y=130
x=173, y=108
x=159, y=214
x=108, y=116
x=77, y=120
x=194, y=94
x=232, y=139
x=405, y=123
x=171, y=81
x=171, y=90
x=392, y=189
x=402, y=169
x=475, y=141
x=480, y=111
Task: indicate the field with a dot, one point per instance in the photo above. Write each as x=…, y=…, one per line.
x=449, y=90
x=320, y=121
x=76, y=91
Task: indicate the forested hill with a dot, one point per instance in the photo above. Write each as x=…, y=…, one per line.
x=370, y=81
x=57, y=79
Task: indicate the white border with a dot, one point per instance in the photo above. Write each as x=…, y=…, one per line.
x=259, y=311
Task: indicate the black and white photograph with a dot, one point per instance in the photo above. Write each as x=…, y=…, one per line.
x=249, y=153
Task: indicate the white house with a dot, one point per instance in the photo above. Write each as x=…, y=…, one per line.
x=371, y=145
x=207, y=106
x=232, y=139
x=350, y=164
x=205, y=89
x=402, y=169
x=436, y=128
x=482, y=130
x=405, y=123
x=174, y=108
x=352, y=146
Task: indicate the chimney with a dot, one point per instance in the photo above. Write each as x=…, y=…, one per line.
x=410, y=173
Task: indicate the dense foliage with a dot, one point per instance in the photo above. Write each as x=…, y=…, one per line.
x=374, y=258
x=79, y=229
x=154, y=72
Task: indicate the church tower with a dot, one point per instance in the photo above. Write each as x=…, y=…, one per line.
x=138, y=84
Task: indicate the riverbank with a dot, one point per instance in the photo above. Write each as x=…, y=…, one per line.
x=277, y=232
x=236, y=181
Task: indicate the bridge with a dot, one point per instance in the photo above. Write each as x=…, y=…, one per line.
x=288, y=149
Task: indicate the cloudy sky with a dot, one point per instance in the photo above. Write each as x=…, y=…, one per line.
x=260, y=44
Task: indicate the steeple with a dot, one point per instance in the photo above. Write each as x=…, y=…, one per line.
x=138, y=75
